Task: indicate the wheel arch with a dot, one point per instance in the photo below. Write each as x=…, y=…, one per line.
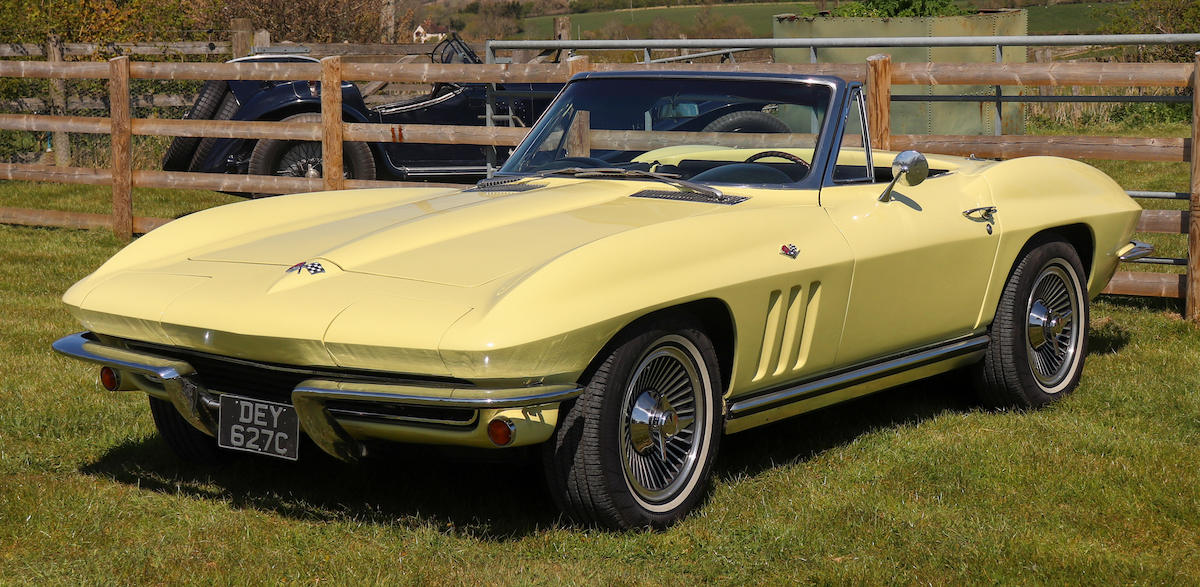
x=1079, y=236
x=714, y=316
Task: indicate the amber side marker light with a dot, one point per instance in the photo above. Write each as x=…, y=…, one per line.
x=501, y=431
x=110, y=379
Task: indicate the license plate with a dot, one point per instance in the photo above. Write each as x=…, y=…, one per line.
x=265, y=428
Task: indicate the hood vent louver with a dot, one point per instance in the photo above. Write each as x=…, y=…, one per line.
x=690, y=197
x=506, y=187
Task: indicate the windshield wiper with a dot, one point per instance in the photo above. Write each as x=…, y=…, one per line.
x=587, y=172
x=572, y=171
x=670, y=178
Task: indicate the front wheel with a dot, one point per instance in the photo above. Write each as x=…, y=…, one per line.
x=1039, y=335
x=636, y=449
x=185, y=441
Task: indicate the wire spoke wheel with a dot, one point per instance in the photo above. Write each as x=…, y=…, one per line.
x=659, y=419
x=1052, y=337
x=283, y=158
x=636, y=448
x=303, y=160
x=1039, y=336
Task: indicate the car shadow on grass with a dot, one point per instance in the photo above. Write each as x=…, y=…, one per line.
x=475, y=493
x=455, y=492
x=807, y=435
x=486, y=495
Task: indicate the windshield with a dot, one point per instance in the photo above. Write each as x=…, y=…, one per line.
x=711, y=130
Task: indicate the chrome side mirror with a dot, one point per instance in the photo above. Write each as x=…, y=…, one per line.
x=909, y=168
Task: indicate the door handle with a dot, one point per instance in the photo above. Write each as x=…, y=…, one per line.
x=985, y=213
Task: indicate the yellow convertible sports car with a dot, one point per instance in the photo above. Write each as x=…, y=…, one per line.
x=665, y=259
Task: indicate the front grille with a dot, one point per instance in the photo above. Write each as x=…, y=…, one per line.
x=391, y=412
x=272, y=382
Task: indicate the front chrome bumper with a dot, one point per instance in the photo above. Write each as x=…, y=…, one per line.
x=179, y=383
x=1135, y=250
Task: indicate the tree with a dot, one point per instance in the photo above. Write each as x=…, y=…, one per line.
x=302, y=21
x=661, y=28
x=1158, y=17
x=91, y=21
x=707, y=24
x=899, y=8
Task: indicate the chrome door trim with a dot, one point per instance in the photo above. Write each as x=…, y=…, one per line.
x=833, y=381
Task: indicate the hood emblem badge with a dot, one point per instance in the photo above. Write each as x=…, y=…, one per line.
x=312, y=267
x=789, y=251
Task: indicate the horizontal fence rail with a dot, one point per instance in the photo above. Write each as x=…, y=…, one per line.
x=219, y=48
x=879, y=74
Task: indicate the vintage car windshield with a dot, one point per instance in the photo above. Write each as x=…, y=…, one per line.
x=701, y=129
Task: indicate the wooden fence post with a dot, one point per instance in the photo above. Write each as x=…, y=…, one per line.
x=1193, y=266
x=262, y=39
x=879, y=101
x=61, y=141
x=387, y=21
x=331, y=123
x=578, y=64
x=562, y=28
x=579, y=135
x=243, y=34
x=122, y=146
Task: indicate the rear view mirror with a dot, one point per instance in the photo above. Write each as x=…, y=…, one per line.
x=678, y=110
x=908, y=168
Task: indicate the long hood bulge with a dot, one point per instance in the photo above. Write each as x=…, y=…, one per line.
x=468, y=238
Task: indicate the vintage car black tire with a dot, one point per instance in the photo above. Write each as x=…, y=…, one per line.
x=605, y=466
x=747, y=121
x=1039, y=335
x=179, y=154
x=288, y=158
x=185, y=441
x=229, y=107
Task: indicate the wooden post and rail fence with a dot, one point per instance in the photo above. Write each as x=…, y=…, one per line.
x=879, y=73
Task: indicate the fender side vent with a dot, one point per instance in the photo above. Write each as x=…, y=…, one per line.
x=506, y=187
x=690, y=197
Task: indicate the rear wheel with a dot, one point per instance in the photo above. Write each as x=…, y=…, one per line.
x=303, y=158
x=229, y=107
x=179, y=155
x=185, y=441
x=636, y=449
x=1039, y=336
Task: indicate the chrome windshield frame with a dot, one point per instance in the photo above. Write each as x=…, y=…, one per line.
x=830, y=126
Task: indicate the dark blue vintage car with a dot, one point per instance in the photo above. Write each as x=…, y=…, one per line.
x=449, y=104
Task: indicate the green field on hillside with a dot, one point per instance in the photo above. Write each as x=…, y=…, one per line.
x=1043, y=20
x=758, y=16
x=1062, y=19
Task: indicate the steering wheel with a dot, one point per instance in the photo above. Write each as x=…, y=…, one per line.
x=783, y=154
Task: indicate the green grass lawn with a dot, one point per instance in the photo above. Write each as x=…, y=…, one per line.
x=913, y=486
x=97, y=199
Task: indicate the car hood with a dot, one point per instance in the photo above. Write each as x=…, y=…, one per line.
x=463, y=238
